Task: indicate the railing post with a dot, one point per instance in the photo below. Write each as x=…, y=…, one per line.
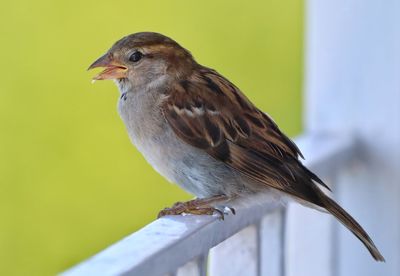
x=257, y=250
x=236, y=256
x=271, y=240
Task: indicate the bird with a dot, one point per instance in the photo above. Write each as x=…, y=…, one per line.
x=198, y=130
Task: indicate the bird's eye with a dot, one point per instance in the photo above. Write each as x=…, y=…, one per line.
x=136, y=56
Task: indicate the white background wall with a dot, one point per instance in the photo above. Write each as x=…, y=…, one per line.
x=353, y=86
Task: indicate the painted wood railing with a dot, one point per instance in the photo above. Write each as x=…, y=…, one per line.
x=252, y=242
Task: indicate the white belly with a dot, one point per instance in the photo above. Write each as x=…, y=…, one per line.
x=191, y=168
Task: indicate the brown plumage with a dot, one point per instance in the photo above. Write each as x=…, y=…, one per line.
x=255, y=147
x=209, y=113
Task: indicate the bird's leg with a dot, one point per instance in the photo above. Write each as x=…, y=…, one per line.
x=199, y=206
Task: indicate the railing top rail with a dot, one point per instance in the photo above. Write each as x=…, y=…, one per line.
x=172, y=241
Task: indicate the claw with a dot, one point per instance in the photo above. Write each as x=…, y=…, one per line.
x=221, y=214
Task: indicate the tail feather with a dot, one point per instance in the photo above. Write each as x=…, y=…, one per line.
x=348, y=221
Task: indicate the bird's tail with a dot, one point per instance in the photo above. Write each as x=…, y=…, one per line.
x=331, y=206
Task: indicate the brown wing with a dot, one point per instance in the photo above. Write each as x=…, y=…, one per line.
x=209, y=112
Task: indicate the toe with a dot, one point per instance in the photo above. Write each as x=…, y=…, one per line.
x=168, y=212
x=220, y=213
x=179, y=203
x=233, y=211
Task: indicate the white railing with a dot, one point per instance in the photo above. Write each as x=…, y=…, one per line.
x=252, y=242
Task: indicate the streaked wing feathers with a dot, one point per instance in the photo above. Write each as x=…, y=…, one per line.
x=209, y=112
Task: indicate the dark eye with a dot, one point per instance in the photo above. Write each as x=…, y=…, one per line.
x=136, y=56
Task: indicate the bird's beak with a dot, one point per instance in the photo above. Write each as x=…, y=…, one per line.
x=113, y=69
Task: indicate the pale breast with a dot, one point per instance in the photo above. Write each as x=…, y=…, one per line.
x=191, y=168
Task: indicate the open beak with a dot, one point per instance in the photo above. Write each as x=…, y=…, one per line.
x=113, y=69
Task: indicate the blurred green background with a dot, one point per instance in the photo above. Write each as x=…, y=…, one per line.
x=70, y=181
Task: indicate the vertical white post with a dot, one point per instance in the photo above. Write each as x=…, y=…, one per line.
x=196, y=267
x=309, y=234
x=353, y=85
x=255, y=251
x=271, y=232
x=236, y=256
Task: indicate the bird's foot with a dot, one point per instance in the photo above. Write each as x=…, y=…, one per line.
x=201, y=206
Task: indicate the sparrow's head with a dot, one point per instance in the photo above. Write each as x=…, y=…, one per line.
x=143, y=58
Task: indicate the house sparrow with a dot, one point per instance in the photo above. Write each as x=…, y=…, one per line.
x=198, y=130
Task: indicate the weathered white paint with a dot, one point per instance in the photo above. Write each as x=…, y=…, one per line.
x=196, y=267
x=271, y=239
x=237, y=255
x=254, y=251
x=166, y=244
x=353, y=86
